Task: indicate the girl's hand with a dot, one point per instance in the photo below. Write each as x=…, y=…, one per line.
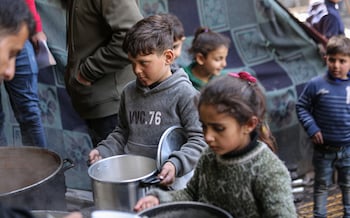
x=94, y=156
x=167, y=175
x=146, y=202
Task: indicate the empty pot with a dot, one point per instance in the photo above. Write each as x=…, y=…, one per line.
x=118, y=182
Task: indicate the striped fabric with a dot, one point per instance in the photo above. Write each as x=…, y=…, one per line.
x=324, y=105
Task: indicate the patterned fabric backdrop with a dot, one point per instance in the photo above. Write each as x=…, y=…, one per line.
x=265, y=41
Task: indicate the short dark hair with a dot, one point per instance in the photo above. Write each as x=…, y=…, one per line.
x=176, y=24
x=338, y=45
x=13, y=14
x=149, y=35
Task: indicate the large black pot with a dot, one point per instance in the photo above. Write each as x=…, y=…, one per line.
x=32, y=178
x=185, y=209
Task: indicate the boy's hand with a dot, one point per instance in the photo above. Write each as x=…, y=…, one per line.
x=94, y=156
x=146, y=202
x=167, y=175
x=317, y=138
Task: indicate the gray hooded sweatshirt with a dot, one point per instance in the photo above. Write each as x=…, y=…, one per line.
x=145, y=113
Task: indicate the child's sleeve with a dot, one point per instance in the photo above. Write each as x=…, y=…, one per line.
x=304, y=107
x=115, y=142
x=187, y=157
x=274, y=190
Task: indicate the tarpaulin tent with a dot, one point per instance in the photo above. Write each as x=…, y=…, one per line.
x=266, y=41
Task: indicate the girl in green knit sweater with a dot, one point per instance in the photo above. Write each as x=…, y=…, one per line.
x=239, y=172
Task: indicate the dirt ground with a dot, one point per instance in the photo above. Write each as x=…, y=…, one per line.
x=335, y=206
x=304, y=200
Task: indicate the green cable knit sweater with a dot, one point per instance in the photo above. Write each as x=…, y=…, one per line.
x=253, y=184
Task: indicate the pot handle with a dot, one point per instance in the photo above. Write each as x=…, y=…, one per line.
x=152, y=180
x=67, y=164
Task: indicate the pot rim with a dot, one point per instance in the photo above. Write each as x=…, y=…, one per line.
x=181, y=204
x=165, y=148
x=36, y=184
x=94, y=165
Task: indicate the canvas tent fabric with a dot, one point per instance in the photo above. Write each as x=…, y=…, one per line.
x=266, y=42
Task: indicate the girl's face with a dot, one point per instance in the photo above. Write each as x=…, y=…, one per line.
x=215, y=61
x=152, y=68
x=222, y=132
x=338, y=65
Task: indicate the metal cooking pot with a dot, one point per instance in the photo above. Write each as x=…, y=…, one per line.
x=118, y=182
x=185, y=209
x=112, y=214
x=33, y=178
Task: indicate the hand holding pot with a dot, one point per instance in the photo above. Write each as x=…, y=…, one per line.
x=167, y=174
x=74, y=215
x=146, y=202
x=94, y=156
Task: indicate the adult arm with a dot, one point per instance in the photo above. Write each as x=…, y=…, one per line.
x=36, y=16
x=120, y=16
x=39, y=34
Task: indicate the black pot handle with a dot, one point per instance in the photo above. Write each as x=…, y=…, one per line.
x=67, y=164
x=17, y=212
x=152, y=180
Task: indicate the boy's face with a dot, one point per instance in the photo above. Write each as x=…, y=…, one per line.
x=10, y=45
x=152, y=68
x=338, y=65
x=335, y=1
x=177, y=47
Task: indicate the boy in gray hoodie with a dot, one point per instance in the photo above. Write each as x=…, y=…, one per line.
x=155, y=101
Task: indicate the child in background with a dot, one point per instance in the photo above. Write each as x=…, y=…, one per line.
x=157, y=100
x=323, y=110
x=179, y=37
x=325, y=17
x=209, y=51
x=239, y=172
